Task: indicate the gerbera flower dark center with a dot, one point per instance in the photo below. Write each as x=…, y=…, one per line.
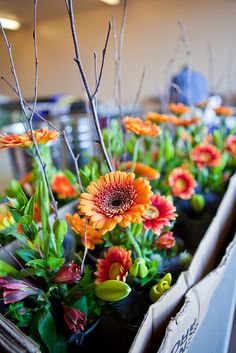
x=113, y=201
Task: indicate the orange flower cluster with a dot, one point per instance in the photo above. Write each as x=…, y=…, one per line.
x=89, y=236
x=42, y=136
x=178, y=109
x=62, y=187
x=182, y=183
x=159, y=118
x=140, y=127
x=231, y=145
x=223, y=111
x=115, y=198
x=206, y=156
x=143, y=170
x=185, y=122
x=114, y=266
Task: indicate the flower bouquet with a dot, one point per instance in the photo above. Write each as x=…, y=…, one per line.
x=68, y=287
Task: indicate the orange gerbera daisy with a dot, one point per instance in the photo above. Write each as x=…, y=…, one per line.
x=159, y=214
x=62, y=187
x=231, y=145
x=165, y=241
x=223, y=111
x=143, y=170
x=114, y=266
x=89, y=236
x=42, y=136
x=140, y=127
x=185, y=122
x=6, y=219
x=159, y=118
x=182, y=183
x=178, y=109
x=206, y=156
x=115, y=198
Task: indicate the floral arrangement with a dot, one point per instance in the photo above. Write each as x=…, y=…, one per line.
x=124, y=247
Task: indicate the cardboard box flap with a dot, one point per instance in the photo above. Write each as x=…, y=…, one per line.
x=183, y=327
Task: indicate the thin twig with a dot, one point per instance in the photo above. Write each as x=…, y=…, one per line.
x=85, y=248
x=140, y=86
x=62, y=133
x=86, y=85
x=95, y=74
x=184, y=38
x=98, y=81
x=29, y=120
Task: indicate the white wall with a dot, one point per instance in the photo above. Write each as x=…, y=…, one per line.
x=150, y=39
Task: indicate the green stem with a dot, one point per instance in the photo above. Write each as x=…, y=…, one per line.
x=144, y=239
x=134, y=243
x=135, y=155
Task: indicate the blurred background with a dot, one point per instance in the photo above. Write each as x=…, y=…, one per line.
x=152, y=40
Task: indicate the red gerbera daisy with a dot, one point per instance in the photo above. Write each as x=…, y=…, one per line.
x=159, y=215
x=114, y=266
x=231, y=145
x=206, y=156
x=182, y=183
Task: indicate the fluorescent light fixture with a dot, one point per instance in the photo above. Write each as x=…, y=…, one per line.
x=111, y=2
x=9, y=24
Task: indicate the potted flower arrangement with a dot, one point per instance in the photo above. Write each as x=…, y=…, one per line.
x=126, y=250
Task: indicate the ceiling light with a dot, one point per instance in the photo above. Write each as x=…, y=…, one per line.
x=9, y=24
x=111, y=2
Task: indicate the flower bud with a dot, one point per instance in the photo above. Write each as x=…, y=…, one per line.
x=112, y=290
x=60, y=228
x=74, y=318
x=197, y=203
x=68, y=274
x=160, y=288
x=139, y=268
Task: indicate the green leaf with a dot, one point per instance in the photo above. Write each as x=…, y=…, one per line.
x=22, y=199
x=25, y=220
x=15, y=204
x=112, y=290
x=26, y=254
x=54, y=262
x=81, y=305
x=47, y=330
x=29, y=208
x=7, y=270
x=38, y=263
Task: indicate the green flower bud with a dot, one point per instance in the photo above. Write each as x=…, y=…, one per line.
x=197, y=203
x=185, y=258
x=169, y=150
x=139, y=268
x=112, y=290
x=160, y=288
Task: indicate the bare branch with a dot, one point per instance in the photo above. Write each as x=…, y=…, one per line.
x=139, y=90
x=86, y=86
x=103, y=61
x=85, y=248
x=53, y=126
x=29, y=119
x=184, y=38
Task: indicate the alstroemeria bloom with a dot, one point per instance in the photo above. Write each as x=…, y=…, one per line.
x=62, y=187
x=42, y=136
x=89, y=236
x=159, y=214
x=142, y=170
x=231, y=145
x=182, y=183
x=223, y=111
x=115, y=198
x=206, y=156
x=74, y=318
x=15, y=290
x=69, y=273
x=114, y=266
x=165, y=241
x=178, y=109
x=140, y=127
